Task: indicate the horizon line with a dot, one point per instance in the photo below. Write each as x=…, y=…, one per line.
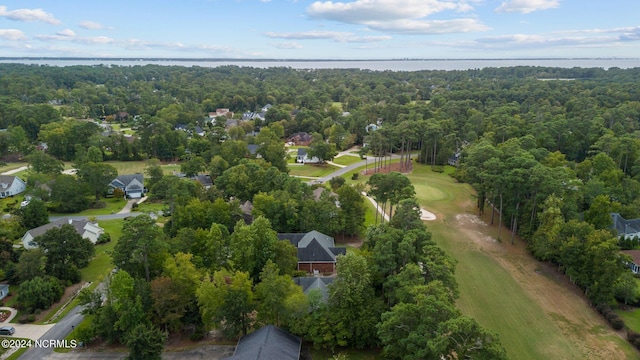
x=200, y=59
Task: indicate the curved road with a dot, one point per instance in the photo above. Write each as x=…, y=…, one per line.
x=348, y=168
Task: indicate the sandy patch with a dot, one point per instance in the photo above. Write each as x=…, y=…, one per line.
x=427, y=215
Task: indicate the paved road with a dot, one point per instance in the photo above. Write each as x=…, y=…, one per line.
x=346, y=169
x=58, y=332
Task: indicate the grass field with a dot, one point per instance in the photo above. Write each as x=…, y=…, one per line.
x=347, y=160
x=537, y=314
x=311, y=170
x=11, y=166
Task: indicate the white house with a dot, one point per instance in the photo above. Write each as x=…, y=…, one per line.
x=132, y=185
x=85, y=228
x=304, y=158
x=11, y=185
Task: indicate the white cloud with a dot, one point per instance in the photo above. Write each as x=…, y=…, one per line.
x=363, y=11
x=28, y=15
x=288, y=45
x=429, y=26
x=66, y=32
x=338, y=36
x=90, y=25
x=527, y=6
x=12, y=34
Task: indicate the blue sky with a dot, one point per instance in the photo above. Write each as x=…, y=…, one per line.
x=306, y=29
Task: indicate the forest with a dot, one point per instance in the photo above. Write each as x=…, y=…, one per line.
x=551, y=153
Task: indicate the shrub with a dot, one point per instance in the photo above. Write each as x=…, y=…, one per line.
x=118, y=193
x=135, y=206
x=617, y=323
x=104, y=238
x=354, y=176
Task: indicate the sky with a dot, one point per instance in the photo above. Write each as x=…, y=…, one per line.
x=307, y=29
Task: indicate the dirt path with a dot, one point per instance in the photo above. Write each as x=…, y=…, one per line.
x=560, y=300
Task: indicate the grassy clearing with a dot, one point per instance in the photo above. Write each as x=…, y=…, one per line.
x=347, y=160
x=113, y=205
x=631, y=318
x=311, y=170
x=536, y=316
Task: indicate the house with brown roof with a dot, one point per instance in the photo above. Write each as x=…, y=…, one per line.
x=299, y=139
x=317, y=252
x=85, y=228
x=11, y=185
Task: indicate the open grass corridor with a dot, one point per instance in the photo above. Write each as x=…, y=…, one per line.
x=537, y=314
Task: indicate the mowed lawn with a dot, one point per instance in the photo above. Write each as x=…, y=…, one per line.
x=347, y=160
x=309, y=170
x=535, y=316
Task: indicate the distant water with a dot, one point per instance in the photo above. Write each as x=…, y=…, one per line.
x=375, y=65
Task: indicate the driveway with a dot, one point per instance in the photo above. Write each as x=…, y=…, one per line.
x=27, y=331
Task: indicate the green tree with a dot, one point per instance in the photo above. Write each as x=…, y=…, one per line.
x=145, y=342
x=276, y=296
x=352, y=210
x=39, y=293
x=41, y=162
x=226, y=302
x=97, y=176
x=193, y=166
x=321, y=149
x=67, y=251
x=352, y=299
x=141, y=249
x=154, y=172
x=34, y=214
x=32, y=264
x=409, y=330
x=599, y=213
x=463, y=338
x=69, y=194
x=626, y=288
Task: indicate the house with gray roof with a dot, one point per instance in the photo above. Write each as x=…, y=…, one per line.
x=625, y=228
x=317, y=252
x=85, y=228
x=315, y=283
x=132, y=185
x=267, y=343
x=11, y=185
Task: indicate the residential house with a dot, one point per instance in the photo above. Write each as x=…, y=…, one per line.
x=254, y=115
x=132, y=185
x=634, y=265
x=190, y=130
x=304, y=158
x=317, y=252
x=221, y=112
x=4, y=291
x=299, y=139
x=204, y=180
x=253, y=150
x=85, y=228
x=11, y=185
x=315, y=283
x=267, y=343
x=625, y=228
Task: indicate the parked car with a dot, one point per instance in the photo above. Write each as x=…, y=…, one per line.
x=7, y=330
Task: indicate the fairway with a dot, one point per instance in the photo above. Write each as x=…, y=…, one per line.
x=536, y=313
